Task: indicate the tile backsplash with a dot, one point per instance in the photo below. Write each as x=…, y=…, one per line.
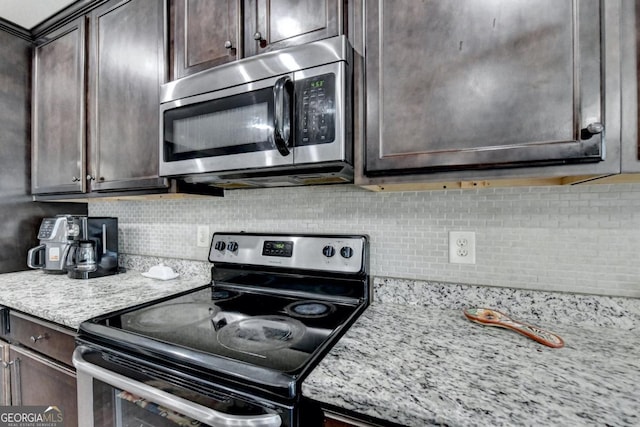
x=583, y=239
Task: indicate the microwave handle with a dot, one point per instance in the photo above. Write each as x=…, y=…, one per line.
x=183, y=406
x=283, y=113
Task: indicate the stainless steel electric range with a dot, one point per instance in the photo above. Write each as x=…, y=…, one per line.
x=233, y=352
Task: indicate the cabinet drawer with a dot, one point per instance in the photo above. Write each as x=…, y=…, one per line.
x=49, y=339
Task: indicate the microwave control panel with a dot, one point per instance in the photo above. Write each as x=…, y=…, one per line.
x=316, y=98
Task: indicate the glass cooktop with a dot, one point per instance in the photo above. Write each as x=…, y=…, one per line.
x=278, y=332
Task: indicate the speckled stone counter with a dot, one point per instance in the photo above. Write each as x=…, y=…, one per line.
x=415, y=360
x=68, y=302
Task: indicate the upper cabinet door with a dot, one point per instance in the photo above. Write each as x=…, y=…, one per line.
x=464, y=84
x=126, y=69
x=58, y=118
x=275, y=24
x=205, y=34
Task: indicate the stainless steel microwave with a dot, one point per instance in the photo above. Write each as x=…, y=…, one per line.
x=278, y=119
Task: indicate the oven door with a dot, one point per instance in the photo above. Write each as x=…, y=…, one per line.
x=244, y=127
x=118, y=391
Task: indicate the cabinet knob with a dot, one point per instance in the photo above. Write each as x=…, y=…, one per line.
x=595, y=128
x=91, y=178
x=35, y=339
x=257, y=36
x=228, y=44
x=75, y=179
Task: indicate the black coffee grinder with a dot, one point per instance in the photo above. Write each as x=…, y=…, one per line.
x=94, y=249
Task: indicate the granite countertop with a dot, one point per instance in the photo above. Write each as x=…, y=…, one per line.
x=426, y=364
x=69, y=302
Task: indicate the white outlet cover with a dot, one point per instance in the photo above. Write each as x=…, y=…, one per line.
x=202, y=238
x=462, y=247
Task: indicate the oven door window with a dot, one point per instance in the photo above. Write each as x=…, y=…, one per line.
x=113, y=407
x=120, y=392
x=241, y=123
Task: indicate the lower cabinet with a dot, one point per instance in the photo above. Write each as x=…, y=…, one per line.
x=38, y=381
x=5, y=383
x=36, y=364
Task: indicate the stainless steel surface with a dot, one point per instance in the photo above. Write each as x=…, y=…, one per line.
x=87, y=372
x=34, y=339
x=511, y=83
x=54, y=235
x=254, y=69
x=595, y=128
x=16, y=382
x=307, y=252
x=313, y=163
x=283, y=114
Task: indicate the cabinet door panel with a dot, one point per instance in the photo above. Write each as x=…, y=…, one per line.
x=126, y=70
x=206, y=34
x=58, y=153
x=39, y=382
x=5, y=378
x=464, y=84
x=283, y=23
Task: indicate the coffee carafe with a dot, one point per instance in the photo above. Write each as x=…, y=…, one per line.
x=94, y=251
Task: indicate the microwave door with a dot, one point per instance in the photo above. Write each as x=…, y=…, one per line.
x=228, y=131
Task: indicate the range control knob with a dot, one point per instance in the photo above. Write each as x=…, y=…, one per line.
x=220, y=246
x=232, y=246
x=346, y=252
x=328, y=251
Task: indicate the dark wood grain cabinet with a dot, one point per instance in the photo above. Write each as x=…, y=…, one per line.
x=126, y=68
x=37, y=365
x=206, y=34
x=275, y=24
x=463, y=84
x=5, y=378
x=58, y=116
x=457, y=91
x=96, y=96
x=39, y=381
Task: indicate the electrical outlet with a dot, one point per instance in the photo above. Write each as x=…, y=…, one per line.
x=462, y=247
x=202, y=238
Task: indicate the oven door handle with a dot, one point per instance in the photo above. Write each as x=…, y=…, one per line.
x=175, y=403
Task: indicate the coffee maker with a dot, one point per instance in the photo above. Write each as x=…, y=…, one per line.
x=55, y=235
x=83, y=247
x=93, y=252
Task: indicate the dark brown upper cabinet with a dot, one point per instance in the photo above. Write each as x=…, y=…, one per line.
x=96, y=95
x=465, y=84
x=58, y=116
x=205, y=34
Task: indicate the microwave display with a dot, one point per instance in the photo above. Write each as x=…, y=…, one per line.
x=316, y=104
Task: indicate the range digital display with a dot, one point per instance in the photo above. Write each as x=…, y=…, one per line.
x=277, y=248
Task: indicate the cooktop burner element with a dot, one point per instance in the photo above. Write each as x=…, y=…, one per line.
x=222, y=295
x=260, y=334
x=310, y=309
x=171, y=316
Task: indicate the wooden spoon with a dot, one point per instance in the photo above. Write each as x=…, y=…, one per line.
x=489, y=317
